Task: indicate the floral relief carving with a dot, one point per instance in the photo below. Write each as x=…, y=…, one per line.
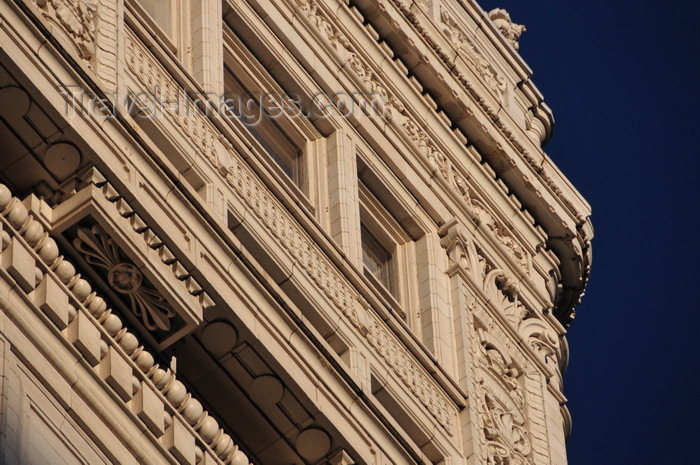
x=502, y=402
x=147, y=303
x=469, y=50
x=516, y=354
x=500, y=288
x=76, y=18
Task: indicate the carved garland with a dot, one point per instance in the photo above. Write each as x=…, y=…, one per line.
x=277, y=220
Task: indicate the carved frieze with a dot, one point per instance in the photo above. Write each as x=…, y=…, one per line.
x=471, y=52
x=533, y=161
x=436, y=160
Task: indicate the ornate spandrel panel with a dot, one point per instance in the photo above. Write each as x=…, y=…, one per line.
x=512, y=352
x=501, y=403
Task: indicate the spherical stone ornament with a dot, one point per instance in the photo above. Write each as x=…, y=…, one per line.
x=129, y=343
x=65, y=271
x=193, y=411
x=208, y=429
x=49, y=251
x=112, y=324
x=239, y=458
x=97, y=306
x=33, y=232
x=81, y=289
x=38, y=276
x=5, y=196
x=223, y=446
x=18, y=215
x=144, y=361
x=160, y=378
x=104, y=348
x=176, y=394
x=71, y=313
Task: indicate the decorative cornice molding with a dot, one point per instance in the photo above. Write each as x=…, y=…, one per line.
x=469, y=50
x=543, y=177
x=437, y=161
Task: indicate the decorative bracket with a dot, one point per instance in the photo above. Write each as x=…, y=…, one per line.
x=157, y=292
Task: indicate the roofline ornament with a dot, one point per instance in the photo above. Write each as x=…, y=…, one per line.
x=508, y=28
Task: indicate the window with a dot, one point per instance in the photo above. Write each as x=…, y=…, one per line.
x=377, y=260
x=388, y=236
x=254, y=98
x=164, y=21
x=184, y=30
x=248, y=105
x=388, y=253
x=161, y=11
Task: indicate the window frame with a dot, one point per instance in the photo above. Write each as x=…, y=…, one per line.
x=174, y=41
x=376, y=219
x=296, y=130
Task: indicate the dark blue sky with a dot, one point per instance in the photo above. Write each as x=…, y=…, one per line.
x=622, y=80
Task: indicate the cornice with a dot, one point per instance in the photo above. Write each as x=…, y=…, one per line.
x=512, y=153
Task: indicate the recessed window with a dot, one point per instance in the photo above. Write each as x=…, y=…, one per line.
x=387, y=252
x=387, y=238
x=248, y=105
x=253, y=98
x=377, y=260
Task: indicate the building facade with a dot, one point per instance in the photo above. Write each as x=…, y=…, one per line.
x=280, y=232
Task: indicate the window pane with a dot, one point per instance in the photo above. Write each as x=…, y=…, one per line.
x=161, y=12
x=244, y=104
x=376, y=259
